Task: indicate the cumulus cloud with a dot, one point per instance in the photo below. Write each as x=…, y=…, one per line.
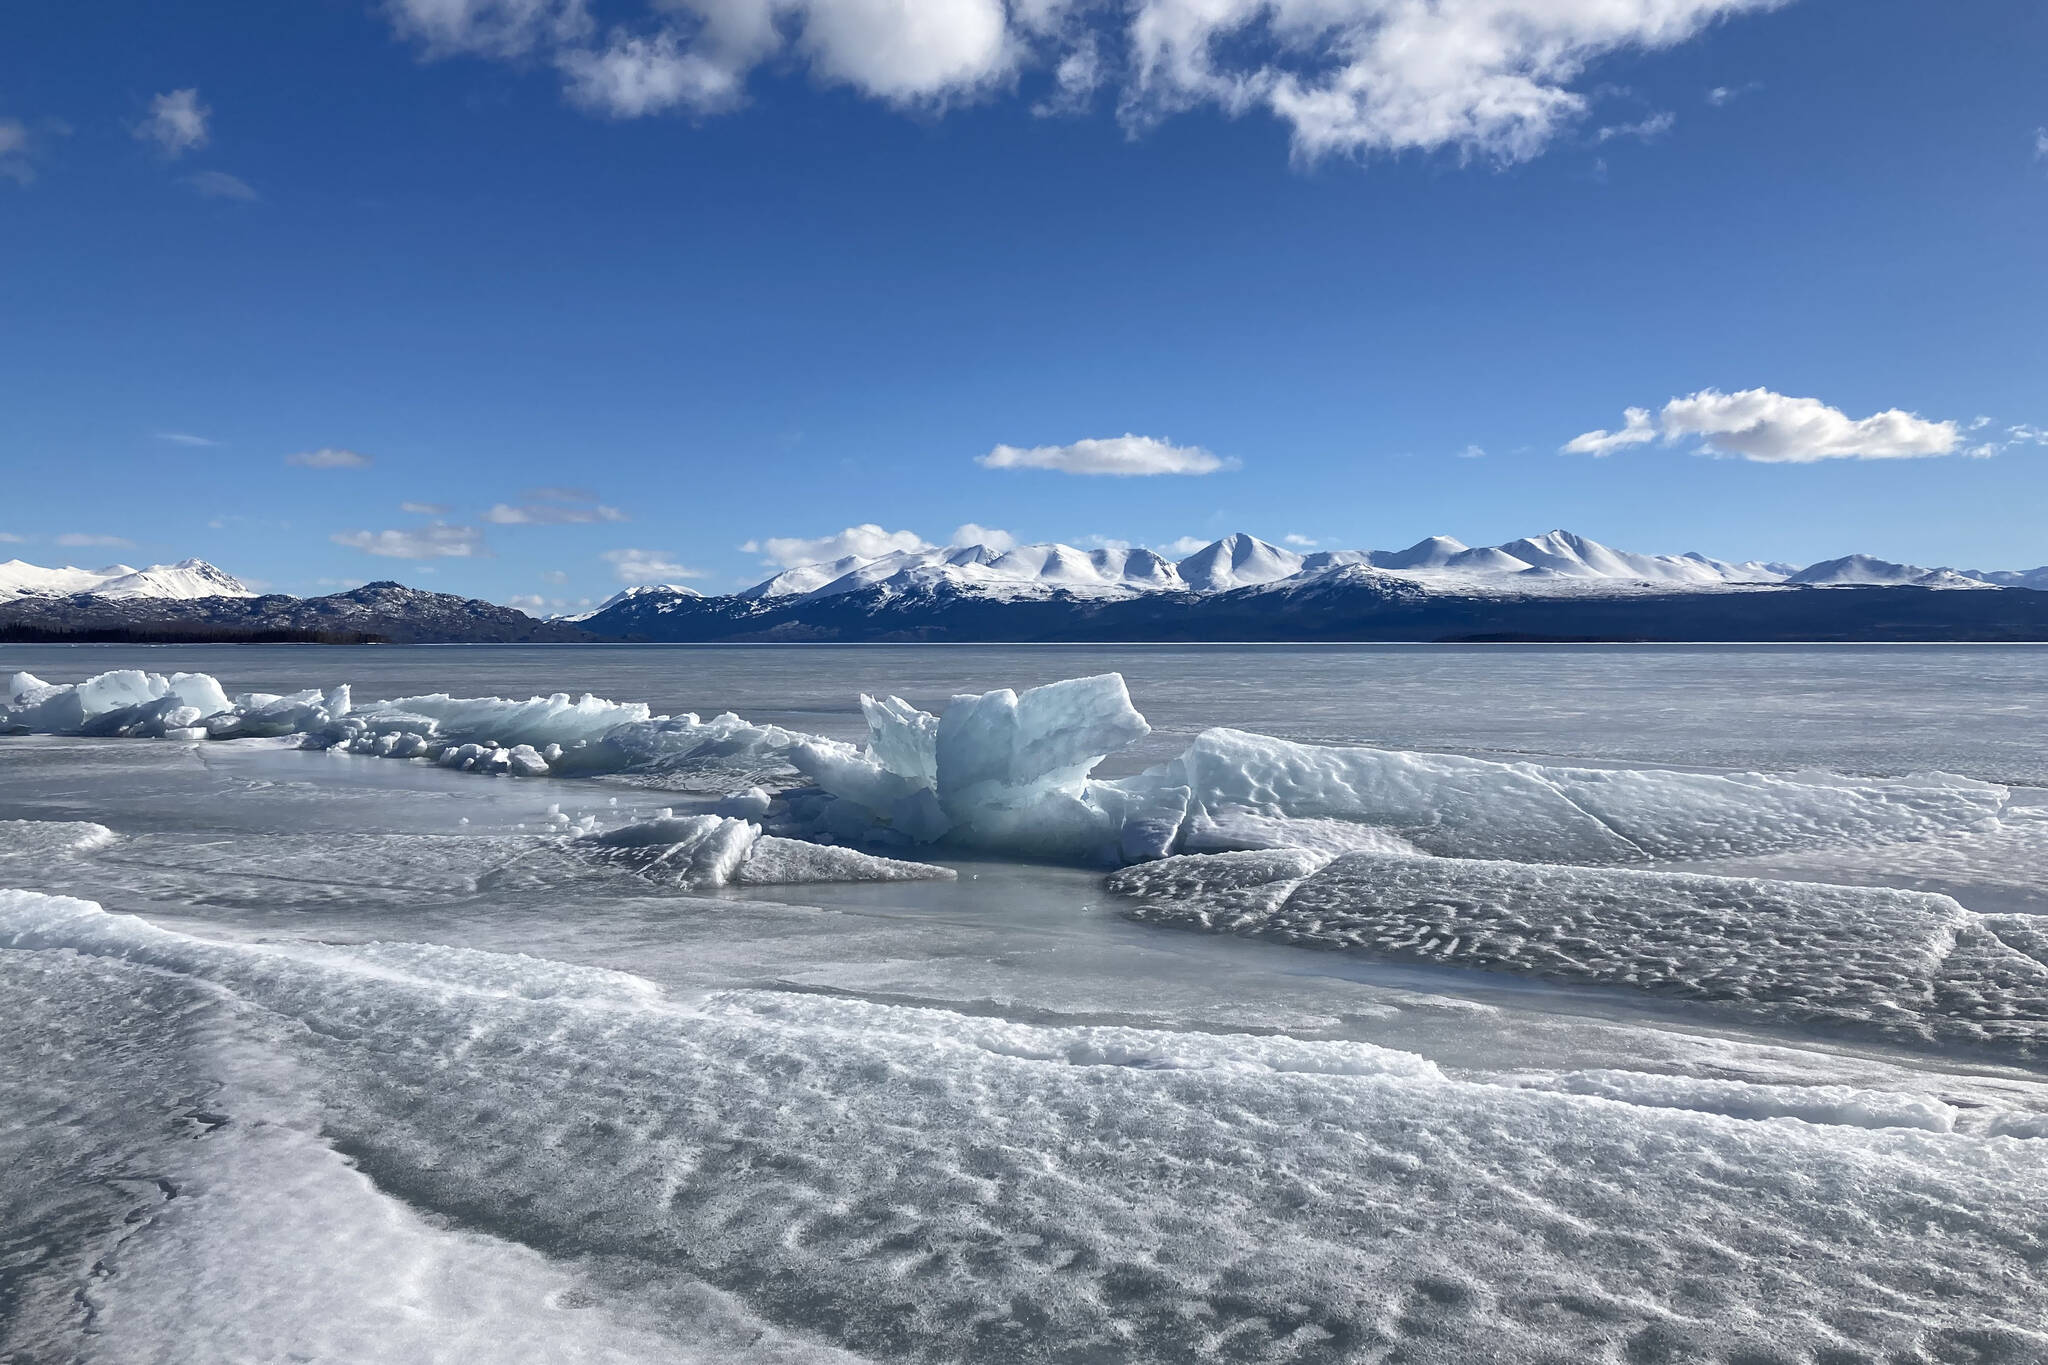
x=1116, y=455
x=221, y=185
x=1772, y=428
x=438, y=541
x=968, y=533
x=1183, y=547
x=1495, y=79
x=905, y=52
x=1472, y=452
x=549, y=514
x=80, y=540
x=1299, y=542
x=868, y=541
x=647, y=566
x=425, y=509
x=555, y=576
x=329, y=457
x=176, y=122
x=2041, y=144
x=1487, y=78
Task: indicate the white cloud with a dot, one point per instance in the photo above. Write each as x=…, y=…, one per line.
x=1075, y=80
x=438, y=541
x=80, y=540
x=9, y=538
x=185, y=438
x=1721, y=95
x=1118, y=455
x=549, y=514
x=1637, y=429
x=1488, y=78
x=969, y=533
x=1105, y=543
x=647, y=566
x=328, y=457
x=1299, y=542
x=17, y=160
x=867, y=540
x=425, y=509
x=636, y=75
x=533, y=604
x=221, y=185
x=905, y=52
x=340, y=584
x=1496, y=79
x=1645, y=130
x=556, y=494
x=555, y=576
x=1757, y=424
x=176, y=122
x=1182, y=548
x=1472, y=452
x=2041, y=144
x=489, y=28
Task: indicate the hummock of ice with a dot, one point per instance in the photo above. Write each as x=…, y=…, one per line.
x=924, y=1185
x=1009, y=772
x=1906, y=964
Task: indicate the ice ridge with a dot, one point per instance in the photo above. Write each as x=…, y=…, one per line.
x=1011, y=772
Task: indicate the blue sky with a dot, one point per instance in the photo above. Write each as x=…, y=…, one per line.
x=743, y=272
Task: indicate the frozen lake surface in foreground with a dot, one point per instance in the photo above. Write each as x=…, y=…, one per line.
x=368, y=1059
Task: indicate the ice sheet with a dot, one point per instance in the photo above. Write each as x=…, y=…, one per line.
x=916, y=1184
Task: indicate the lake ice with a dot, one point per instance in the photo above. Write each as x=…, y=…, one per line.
x=1561, y=1004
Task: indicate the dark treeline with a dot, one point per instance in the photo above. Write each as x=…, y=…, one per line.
x=20, y=633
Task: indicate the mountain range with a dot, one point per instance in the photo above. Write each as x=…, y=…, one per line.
x=1558, y=585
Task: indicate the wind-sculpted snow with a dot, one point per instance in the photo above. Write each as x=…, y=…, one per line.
x=1902, y=964
x=918, y=1185
x=1010, y=771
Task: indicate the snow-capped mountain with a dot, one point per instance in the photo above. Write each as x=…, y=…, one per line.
x=647, y=592
x=1864, y=571
x=1557, y=561
x=186, y=580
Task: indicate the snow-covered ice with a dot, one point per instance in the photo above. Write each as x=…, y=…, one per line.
x=924, y=1184
x=1903, y=964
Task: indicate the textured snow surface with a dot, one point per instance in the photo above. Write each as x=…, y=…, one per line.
x=1901, y=964
x=916, y=1184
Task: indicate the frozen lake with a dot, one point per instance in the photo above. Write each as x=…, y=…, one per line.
x=363, y=1063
